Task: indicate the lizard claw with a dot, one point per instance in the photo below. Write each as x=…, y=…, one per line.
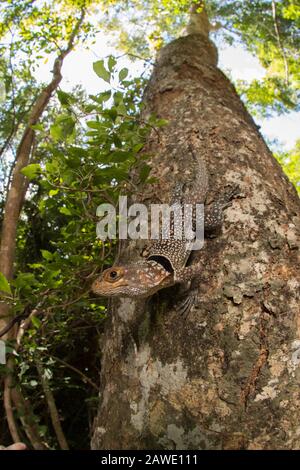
x=184, y=306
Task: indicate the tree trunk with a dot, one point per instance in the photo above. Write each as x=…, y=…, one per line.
x=226, y=376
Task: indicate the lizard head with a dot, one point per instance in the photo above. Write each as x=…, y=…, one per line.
x=136, y=280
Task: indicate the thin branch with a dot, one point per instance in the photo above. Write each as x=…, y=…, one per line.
x=71, y=302
x=8, y=384
x=10, y=324
x=79, y=372
x=29, y=425
x=80, y=190
x=13, y=89
x=25, y=325
x=10, y=391
x=283, y=53
x=148, y=61
x=13, y=132
x=52, y=407
x=7, y=140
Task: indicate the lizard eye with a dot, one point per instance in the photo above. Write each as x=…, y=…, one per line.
x=113, y=275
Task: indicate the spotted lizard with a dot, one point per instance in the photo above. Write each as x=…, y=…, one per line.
x=166, y=260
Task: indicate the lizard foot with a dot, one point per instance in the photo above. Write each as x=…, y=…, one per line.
x=184, y=306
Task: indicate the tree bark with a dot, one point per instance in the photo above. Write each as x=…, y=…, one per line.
x=227, y=375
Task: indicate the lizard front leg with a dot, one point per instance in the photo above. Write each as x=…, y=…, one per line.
x=214, y=213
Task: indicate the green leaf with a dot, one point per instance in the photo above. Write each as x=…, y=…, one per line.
x=63, y=127
x=47, y=255
x=25, y=280
x=36, y=322
x=104, y=96
x=4, y=284
x=111, y=63
x=161, y=122
x=123, y=74
x=65, y=98
x=101, y=71
x=36, y=266
x=65, y=210
x=117, y=141
x=118, y=98
x=144, y=173
x=55, y=132
x=92, y=133
x=78, y=152
x=120, y=156
x=94, y=125
x=138, y=147
x=112, y=114
x=31, y=171
x=37, y=127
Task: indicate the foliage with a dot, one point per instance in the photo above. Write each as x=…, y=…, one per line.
x=268, y=29
x=29, y=32
x=291, y=164
x=86, y=153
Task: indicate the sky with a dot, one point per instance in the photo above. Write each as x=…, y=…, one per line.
x=244, y=66
x=78, y=69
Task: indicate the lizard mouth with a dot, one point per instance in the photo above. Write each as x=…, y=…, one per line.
x=163, y=261
x=102, y=287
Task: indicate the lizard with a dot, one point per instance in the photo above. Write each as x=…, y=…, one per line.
x=166, y=262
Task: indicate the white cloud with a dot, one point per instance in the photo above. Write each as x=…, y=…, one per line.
x=241, y=64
